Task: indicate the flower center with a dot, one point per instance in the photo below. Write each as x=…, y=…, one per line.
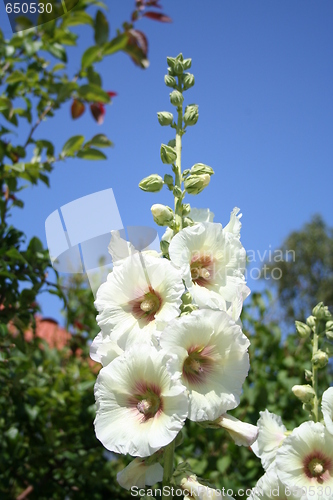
x=202, y=269
x=316, y=467
x=198, y=364
x=145, y=307
x=149, y=404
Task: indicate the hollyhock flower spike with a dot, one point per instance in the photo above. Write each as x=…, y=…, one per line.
x=140, y=408
x=212, y=360
x=140, y=295
x=271, y=434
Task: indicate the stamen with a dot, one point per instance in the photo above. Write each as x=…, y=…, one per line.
x=147, y=305
x=144, y=406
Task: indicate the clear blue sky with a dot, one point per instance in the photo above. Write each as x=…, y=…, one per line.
x=264, y=80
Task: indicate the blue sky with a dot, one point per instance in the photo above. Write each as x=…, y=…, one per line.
x=264, y=79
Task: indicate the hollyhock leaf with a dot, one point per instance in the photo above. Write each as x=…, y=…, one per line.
x=91, y=55
x=101, y=26
x=72, y=145
x=91, y=154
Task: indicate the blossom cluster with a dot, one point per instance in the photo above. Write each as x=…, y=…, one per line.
x=298, y=464
x=171, y=343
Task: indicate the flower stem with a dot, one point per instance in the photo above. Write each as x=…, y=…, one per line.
x=178, y=169
x=168, y=467
x=315, y=378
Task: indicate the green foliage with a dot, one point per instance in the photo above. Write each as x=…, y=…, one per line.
x=306, y=277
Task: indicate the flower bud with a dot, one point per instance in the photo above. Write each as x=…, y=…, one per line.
x=188, y=308
x=168, y=154
x=329, y=350
x=304, y=392
x=303, y=330
x=153, y=183
x=165, y=118
x=178, y=68
x=191, y=114
x=168, y=180
x=186, y=209
x=320, y=359
x=200, y=168
x=176, y=98
x=162, y=214
x=329, y=326
x=242, y=433
x=164, y=245
x=177, y=192
x=194, y=184
x=187, y=221
x=188, y=81
x=170, y=81
x=187, y=63
x=308, y=375
x=319, y=311
x=311, y=321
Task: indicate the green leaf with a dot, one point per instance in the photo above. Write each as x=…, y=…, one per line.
x=18, y=167
x=93, y=93
x=94, y=77
x=58, y=67
x=118, y=43
x=16, y=76
x=72, y=145
x=91, y=154
x=101, y=28
x=5, y=104
x=58, y=51
x=90, y=56
x=77, y=17
x=13, y=253
x=100, y=141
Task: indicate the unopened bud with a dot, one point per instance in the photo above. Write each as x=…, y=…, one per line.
x=329, y=326
x=188, y=308
x=168, y=180
x=308, y=375
x=176, y=98
x=304, y=392
x=187, y=63
x=168, y=154
x=311, y=321
x=188, y=81
x=171, y=61
x=170, y=81
x=162, y=214
x=165, y=118
x=303, y=330
x=186, y=298
x=186, y=208
x=153, y=183
x=191, y=114
x=319, y=311
x=164, y=245
x=200, y=168
x=194, y=184
x=187, y=222
x=320, y=359
x=177, y=192
x=178, y=68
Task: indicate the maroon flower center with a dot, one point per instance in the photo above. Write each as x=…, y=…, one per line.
x=202, y=269
x=198, y=364
x=145, y=307
x=319, y=466
x=146, y=400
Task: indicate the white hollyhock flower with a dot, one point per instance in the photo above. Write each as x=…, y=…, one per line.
x=140, y=408
x=234, y=225
x=212, y=359
x=305, y=460
x=139, y=296
x=242, y=433
x=327, y=409
x=193, y=489
x=212, y=263
x=201, y=215
x=104, y=350
x=271, y=434
x=137, y=473
x=269, y=486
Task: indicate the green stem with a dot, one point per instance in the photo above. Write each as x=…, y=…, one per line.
x=315, y=378
x=168, y=468
x=178, y=170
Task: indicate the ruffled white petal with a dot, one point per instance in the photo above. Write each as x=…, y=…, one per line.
x=137, y=473
x=201, y=215
x=119, y=424
x=104, y=350
x=225, y=366
x=271, y=434
x=269, y=486
x=327, y=409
